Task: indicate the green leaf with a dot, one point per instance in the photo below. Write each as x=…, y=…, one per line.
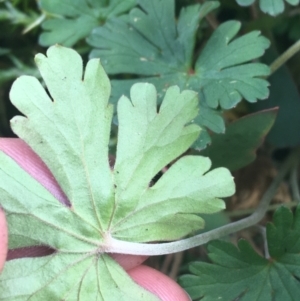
x=71, y=277
x=69, y=127
x=160, y=49
x=72, y=20
x=285, y=95
x=240, y=273
x=271, y=7
x=237, y=147
x=4, y=51
x=245, y=2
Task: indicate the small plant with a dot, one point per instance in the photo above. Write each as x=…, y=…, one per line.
x=138, y=147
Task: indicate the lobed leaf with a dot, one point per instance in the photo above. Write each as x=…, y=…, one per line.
x=71, y=277
x=74, y=106
x=160, y=51
x=240, y=273
x=271, y=7
x=68, y=127
x=72, y=20
x=168, y=210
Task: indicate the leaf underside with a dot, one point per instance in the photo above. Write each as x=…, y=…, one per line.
x=241, y=274
x=160, y=50
x=69, y=128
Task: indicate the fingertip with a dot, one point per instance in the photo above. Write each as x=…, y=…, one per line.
x=158, y=284
x=3, y=239
x=128, y=262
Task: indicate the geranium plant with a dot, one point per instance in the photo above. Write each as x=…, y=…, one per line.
x=127, y=145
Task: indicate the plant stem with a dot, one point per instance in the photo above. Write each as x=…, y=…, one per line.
x=263, y=232
x=254, y=11
x=210, y=18
x=273, y=207
x=281, y=60
x=123, y=247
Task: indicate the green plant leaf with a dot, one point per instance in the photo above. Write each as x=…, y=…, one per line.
x=285, y=95
x=160, y=50
x=271, y=7
x=72, y=20
x=240, y=273
x=237, y=147
x=69, y=128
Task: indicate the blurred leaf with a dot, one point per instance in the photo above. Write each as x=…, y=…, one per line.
x=241, y=274
x=72, y=20
x=237, y=147
x=12, y=73
x=283, y=94
x=290, y=26
x=215, y=220
x=18, y=68
x=4, y=51
x=161, y=50
x=245, y=2
x=294, y=32
x=8, y=11
x=271, y=7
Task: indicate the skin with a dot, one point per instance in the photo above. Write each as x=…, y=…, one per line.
x=152, y=280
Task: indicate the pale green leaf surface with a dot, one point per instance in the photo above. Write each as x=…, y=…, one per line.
x=160, y=50
x=69, y=277
x=174, y=199
x=72, y=20
x=24, y=196
x=77, y=271
x=156, y=138
x=72, y=150
x=68, y=126
x=271, y=7
x=240, y=273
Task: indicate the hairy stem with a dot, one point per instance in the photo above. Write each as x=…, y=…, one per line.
x=273, y=207
x=281, y=60
x=123, y=247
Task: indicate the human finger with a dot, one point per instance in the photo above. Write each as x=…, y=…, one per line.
x=158, y=283
x=26, y=158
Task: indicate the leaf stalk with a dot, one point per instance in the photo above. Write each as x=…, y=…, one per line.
x=294, y=183
x=123, y=247
x=282, y=59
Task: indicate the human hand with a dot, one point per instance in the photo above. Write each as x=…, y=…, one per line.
x=152, y=280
